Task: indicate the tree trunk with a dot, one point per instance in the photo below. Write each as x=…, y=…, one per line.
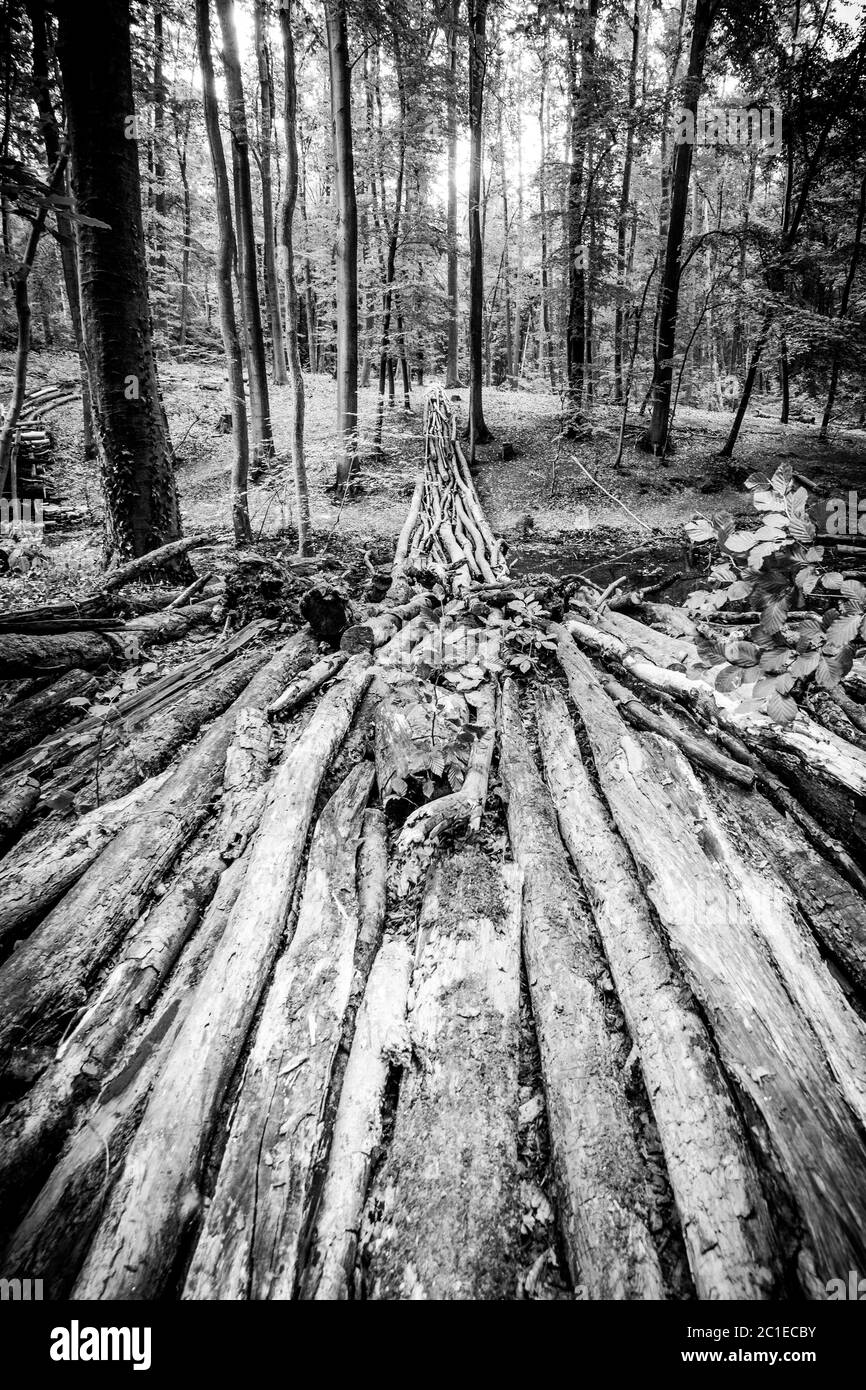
x=225, y=291
x=260, y=407
x=478, y=431
x=443, y=1214
x=267, y=106
x=843, y=304
x=727, y=1230
x=65, y=225
x=452, y=376
x=133, y=1251
x=347, y=238
x=253, y=1238
x=600, y=1174
x=619, y=339
x=287, y=219
x=582, y=94
x=159, y=287
x=135, y=450
x=669, y=287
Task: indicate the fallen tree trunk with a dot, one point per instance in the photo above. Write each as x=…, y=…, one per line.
x=743, y=966
x=30, y=1134
x=599, y=1172
x=379, y=627
x=696, y=748
x=29, y=720
x=443, y=1217
x=380, y=1044
x=306, y=685
x=47, y=978
x=124, y=757
x=729, y=1237
x=250, y=1244
x=58, y=1226
x=135, y=1246
x=17, y=800
x=163, y=556
x=45, y=862
x=22, y=655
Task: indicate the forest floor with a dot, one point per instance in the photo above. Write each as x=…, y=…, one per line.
x=554, y=517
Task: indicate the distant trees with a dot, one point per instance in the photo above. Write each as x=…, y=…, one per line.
x=346, y=236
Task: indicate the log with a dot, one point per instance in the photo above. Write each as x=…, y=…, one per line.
x=663, y=650
x=133, y=1252
x=57, y=1228
x=170, y=624
x=833, y=909
x=243, y=793
x=443, y=1217
x=379, y=627
x=31, y=719
x=804, y=743
x=48, y=655
x=46, y=861
x=47, y=978
x=380, y=1044
x=127, y=756
x=17, y=800
x=696, y=748
x=30, y=1134
x=306, y=685
x=751, y=972
x=190, y=591
x=599, y=1172
x=164, y=556
x=251, y=1243
x=728, y=1233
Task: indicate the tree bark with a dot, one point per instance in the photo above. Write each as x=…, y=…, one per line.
x=478, y=431
x=267, y=109
x=452, y=376
x=287, y=243
x=600, y=1175
x=347, y=238
x=669, y=287
x=729, y=1237
x=260, y=407
x=136, y=457
x=443, y=1218
x=225, y=293
x=135, y=1246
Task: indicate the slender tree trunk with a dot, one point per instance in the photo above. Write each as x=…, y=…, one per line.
x=624, y=203
x=260, y=406
x=137, y=461
x=310, y=311
x=669, y=289
x=23, y=314
x=582, y=102
x=186, y=251
x=65, y=225
x=452, y=376
x=272, y=289
x=287, y=217
x=545, y=346
x=843, y=304
x=506, y=260
x=392, y=228
x=224, y=262
x=159, y=288
x=478, y=431
x=347, y=237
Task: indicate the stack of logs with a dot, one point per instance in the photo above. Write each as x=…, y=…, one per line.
x=262, y=1023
